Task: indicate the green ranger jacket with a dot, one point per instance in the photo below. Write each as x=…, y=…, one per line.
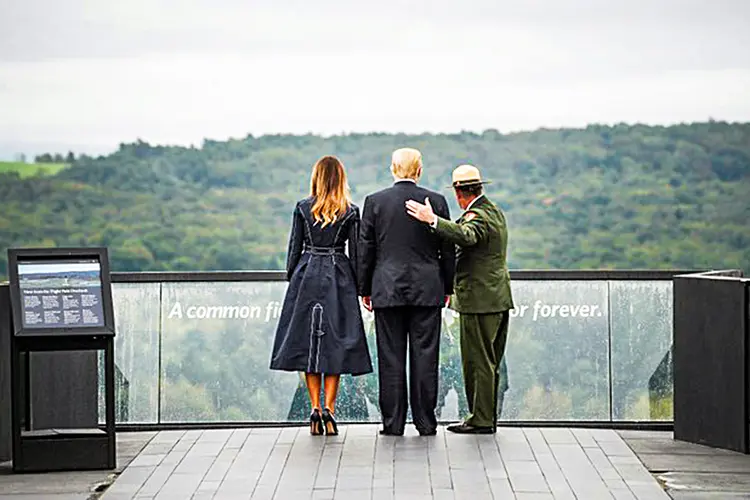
x=482, y=283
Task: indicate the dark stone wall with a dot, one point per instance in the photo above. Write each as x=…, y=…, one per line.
x=711, y=404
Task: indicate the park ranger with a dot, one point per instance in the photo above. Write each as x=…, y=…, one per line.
x=482, y=292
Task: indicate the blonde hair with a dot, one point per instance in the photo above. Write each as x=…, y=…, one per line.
x=330, y=190
x=406, y=163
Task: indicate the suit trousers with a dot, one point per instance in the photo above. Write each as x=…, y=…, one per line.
x=483, y=338
x=419, y=327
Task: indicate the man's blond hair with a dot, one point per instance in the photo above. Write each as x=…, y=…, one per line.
x=406, y=163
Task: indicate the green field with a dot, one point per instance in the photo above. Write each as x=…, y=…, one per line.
x=31, y=169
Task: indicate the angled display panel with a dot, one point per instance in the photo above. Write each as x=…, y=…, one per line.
x=60, y=292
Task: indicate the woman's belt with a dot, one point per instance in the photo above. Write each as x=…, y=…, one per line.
x=324, y=250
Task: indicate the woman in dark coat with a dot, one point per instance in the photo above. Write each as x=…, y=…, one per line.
x=320, y=330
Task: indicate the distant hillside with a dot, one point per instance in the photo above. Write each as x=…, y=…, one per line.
x=599, y=197
x=31, y=169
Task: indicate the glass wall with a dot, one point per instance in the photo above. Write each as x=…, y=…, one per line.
x=577, y=350
x=557, y=353
x=216, y=343
x=641, y=332
x=137, y=351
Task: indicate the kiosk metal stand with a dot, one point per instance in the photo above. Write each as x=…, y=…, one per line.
x=61, y=300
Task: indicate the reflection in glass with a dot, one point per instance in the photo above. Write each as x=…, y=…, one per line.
x=137, y=311
x=216, y=344
x=557, y=353
x=216, y=340
x=641, y=350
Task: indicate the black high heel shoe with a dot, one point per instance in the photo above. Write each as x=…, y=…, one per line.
x=316, y=423
x=330, y=423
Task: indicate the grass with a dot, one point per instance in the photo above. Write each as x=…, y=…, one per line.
x=31, y=169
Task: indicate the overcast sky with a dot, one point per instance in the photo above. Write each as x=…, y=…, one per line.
x=94, y=73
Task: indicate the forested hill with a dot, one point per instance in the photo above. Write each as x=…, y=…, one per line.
x=600, y=197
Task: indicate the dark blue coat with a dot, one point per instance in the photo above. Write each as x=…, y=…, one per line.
x=320, y=329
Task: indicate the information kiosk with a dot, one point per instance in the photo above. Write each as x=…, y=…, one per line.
x=61, y=300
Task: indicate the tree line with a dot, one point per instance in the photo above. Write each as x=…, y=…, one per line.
x=55, y=158
x=600, y=197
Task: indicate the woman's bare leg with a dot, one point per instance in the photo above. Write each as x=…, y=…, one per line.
x=313, y=388
x=331, y=390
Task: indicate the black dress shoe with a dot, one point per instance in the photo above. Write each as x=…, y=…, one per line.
x=427, y=432
x=385, y=432
x=470, y=429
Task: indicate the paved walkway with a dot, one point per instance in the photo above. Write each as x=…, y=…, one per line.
x=79, y=485
x=690, y=471
x=359, y=464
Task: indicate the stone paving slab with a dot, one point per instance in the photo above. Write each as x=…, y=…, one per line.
x=288, y=463
x=359, y=464
x=70, y=485
x=690, y=471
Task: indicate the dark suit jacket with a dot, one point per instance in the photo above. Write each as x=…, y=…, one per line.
x=403, y=262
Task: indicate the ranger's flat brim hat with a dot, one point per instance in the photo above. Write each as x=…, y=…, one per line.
x=467, y=175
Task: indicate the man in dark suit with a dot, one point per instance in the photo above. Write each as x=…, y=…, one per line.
x=405, y=276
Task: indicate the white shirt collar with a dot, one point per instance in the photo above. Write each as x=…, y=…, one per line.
x=405, y=180
x=473, y=201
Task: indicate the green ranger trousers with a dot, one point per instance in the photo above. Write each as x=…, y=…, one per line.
x=483, y=338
